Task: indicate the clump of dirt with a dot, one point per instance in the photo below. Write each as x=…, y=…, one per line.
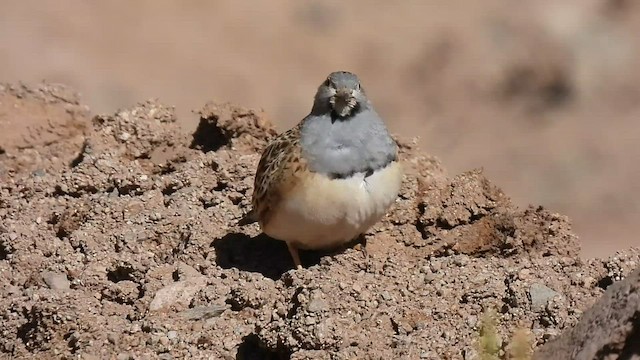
x=243, y=129
x=121, y=241
x=469, y=215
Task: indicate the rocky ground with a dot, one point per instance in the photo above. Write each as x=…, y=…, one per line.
x=118, y=240
x=543, y=94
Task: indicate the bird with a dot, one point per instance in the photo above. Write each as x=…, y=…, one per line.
x=327, y=180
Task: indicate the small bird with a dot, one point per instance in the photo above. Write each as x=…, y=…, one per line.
x=327, y=180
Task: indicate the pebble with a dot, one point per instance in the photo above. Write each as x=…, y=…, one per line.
x=113, y=338
x=163, y=340
x=318, y=304
x=429, y=277
x=56, y=281
x=461, y=261
x=124, y=356
x=472, y=320
x=540, y=296
x=134, y=328
x=177, y=292
x=204, y=312
x=588, y=281
x=436, y=266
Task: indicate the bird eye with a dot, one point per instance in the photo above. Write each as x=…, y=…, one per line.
x=358, y=86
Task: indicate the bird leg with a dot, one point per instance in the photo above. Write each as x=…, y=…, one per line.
x=294, y=255
x=360, y=243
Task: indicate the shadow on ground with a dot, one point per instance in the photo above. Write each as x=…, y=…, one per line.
x=260, y=254
x=250, y=349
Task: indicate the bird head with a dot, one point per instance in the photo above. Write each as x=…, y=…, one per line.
x=341, y=94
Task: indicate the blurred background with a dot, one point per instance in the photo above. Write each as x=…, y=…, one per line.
x=544, y=94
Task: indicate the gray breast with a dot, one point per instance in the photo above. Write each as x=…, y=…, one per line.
x=342, y=148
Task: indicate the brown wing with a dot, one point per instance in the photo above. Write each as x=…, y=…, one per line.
x=279, y=170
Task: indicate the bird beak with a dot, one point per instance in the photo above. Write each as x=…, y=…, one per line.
x=344, y=93
x=343, y=102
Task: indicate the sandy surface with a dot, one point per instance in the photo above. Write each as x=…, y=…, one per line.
x=118, y=241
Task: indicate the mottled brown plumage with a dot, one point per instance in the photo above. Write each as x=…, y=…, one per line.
x=281, y=167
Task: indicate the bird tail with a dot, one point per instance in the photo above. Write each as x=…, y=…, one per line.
x=248, y=218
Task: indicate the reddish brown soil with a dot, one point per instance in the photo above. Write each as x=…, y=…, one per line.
x=542, y=94
x=118, y=240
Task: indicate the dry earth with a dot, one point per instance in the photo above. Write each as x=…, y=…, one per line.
x=118, y=241
x=543, y=94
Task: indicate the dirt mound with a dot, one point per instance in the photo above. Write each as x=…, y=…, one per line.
x=120, y=241
x=49, y=115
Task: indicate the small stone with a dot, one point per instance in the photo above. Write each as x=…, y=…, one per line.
x=203, y=312
x=124, y=136
x=135, y=328
x=124, y=356
x=550, y=333
x=172, y=335
x=435, y=267
x=460, y=261
x=318, y=304
x=386, y=296
x=179, y=292
x=56, y=281
x=588, y=281
x=470, y=354
x=540, y=296
x=163, y=340
x=429, y=277
x=428, y=355
x=228, y=344
x=472, y=321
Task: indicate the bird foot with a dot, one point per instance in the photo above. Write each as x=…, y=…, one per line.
x=295, y=256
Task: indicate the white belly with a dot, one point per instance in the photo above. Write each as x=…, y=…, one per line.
x=324, y=213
